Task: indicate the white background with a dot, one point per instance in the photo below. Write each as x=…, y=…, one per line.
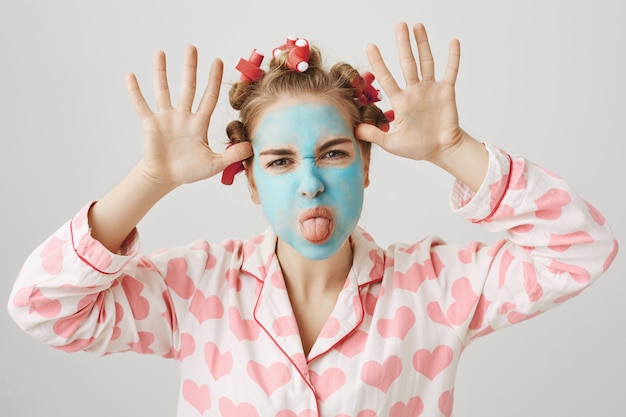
x=544, y=79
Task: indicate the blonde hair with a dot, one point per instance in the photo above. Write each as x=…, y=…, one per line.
x=338, y=85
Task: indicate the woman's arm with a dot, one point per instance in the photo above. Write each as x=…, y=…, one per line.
x=556, y=244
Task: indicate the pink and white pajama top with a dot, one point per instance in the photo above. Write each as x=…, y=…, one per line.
x=393, y=341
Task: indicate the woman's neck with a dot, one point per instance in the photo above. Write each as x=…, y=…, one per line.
x=306, y=278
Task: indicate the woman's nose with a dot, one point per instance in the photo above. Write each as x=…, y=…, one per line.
x=310, y=181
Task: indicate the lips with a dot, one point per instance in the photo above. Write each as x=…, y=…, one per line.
x=316, y=225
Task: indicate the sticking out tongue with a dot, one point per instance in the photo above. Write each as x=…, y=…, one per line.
x=316, y=229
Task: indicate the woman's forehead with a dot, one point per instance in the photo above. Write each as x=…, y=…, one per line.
x=286, y=101
x=300, y=123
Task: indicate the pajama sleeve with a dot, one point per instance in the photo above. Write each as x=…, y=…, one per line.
x=556, y=244
x=73, y=294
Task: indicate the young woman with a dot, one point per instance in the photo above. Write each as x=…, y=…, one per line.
x=312, y=318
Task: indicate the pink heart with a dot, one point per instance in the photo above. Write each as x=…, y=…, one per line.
x=232, y=277
x=522, y=228
x=67, y=326
x=436, y=314
x=38, y=302
x=205, y=308
x=479, y=314
x=119, y=315
x=139, y=305
x=331, y=328
x=198, y=396
x=278, y=281
x=187, y=346
x=578, y=273
x=531, y=283
x=467, y=254
x=169, y=310
x=378, y=268
x=460, y=309
x=22, y=297
x=243, y=329
x=232, y=246
x=143, y=345
x=518, y=175
x=176, y=278
x=357, y=305
x=93, y=303
x=366, y=236
x=328, y=382
x=412, y=408
x=201, y=245
x=229, y=409
x=465, y=299
x=431, y=364
x=566, y=297
x=505, y=263
x=219, y=364
x=379, y=375
x=506, y=307
x=300, y=361
x=399, y=326
x=353, y=345
x=76, y=345
x=515, y=317
x=250, y=245
x=496, y=191
x=270, y=379
x=549, y=205
x=204, y=246
x=413, y=278
x=285, y=326
x=596, y=214
x=52, y=255
x=369, y=303
x=446, y=400
x=561, y=243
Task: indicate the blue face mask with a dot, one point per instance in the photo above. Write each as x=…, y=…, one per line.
x=309, y=177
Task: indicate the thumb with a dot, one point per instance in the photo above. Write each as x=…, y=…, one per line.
x=235, y=153
x=369, y=133
x=230, y=161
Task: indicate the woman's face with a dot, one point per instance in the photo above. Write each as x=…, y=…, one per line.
x=308, y=175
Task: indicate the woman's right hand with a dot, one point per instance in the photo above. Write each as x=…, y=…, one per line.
x=176, y=149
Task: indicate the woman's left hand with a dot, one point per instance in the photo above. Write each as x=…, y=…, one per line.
x=426, y=124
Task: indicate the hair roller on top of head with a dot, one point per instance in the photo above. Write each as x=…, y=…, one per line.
x=289, y=44
x=364, y=91
x=251, y=68
x=298, y=59
x=299, y=53
x=373, y=95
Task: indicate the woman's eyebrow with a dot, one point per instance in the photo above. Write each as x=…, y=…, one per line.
x=277, y=151
x=332, y=143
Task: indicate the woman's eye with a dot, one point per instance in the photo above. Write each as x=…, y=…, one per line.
x=279, y=163
x=335, y=154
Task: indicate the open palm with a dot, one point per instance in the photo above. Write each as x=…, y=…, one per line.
x=176, y=149
x=426, y=118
